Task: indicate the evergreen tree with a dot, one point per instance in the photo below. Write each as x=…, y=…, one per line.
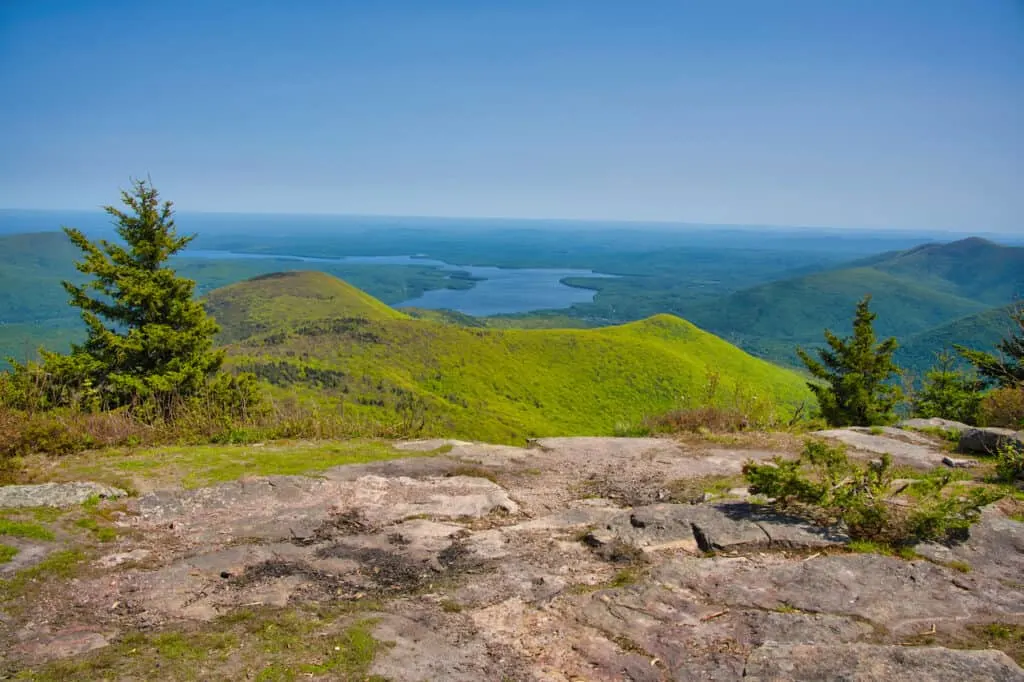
x=1006, y=367
x=949, y=392
x=854, y=374
x=148, y=338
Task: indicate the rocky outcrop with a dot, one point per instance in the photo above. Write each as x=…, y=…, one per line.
x=921, y=424
x=906, y=447
x=55, y=494
x=532, y=577
x=989, y=440
x=812, y=662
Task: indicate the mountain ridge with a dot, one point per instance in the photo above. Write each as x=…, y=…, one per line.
x=492, y=384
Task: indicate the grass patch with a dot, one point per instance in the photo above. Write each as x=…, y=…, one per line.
x=451, y=606
x=692, y=490
x=264, y=644
x=101, y=533
x=961, y=566
x=1006, y=637
x=626, y=576
x=201, y=465
x=474, y=471
x=24, y=529
x=58, y=565
x=7, y=553
x=951, y=436
x=622, y=578
x=884, y=549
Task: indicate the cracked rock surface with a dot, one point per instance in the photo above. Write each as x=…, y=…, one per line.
x=577, y=562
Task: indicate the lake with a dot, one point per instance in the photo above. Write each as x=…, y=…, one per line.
x=498, y=291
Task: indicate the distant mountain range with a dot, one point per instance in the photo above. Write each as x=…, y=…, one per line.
x=929, y=297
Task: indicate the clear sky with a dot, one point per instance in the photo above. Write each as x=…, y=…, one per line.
x=868, y=113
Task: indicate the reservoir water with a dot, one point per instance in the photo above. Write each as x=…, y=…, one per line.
x=497, y=291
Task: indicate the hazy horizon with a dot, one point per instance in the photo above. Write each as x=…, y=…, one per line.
x=98, y=214
x=842, y=114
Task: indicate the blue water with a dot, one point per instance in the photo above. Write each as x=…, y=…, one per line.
x=499, y=291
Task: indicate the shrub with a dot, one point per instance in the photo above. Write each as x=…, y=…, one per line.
x=1010, y=463
x=823, y=484
x=949, y=392
x=1003, y=407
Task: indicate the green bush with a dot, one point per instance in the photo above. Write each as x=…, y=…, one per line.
x=1003, y=407
x=1010, y=463
x=824, y=485
x=949, y=392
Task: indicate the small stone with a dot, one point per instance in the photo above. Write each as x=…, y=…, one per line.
x=959, y=463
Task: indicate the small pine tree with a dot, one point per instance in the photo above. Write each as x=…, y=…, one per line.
x=854, y=374
x=1005, y=367
x=949, y=392
x=148, y=338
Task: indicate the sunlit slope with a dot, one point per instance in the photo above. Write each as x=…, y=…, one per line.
x=503, y=385
x=286, y=300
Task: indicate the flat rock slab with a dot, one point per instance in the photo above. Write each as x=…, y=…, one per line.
x=63, y=643
x=55, y=494
x=934, y=423
x=906, y=448
x=905, y=597
x=730, y=526
x=422, y=653
x=870, y=662
x=995, y=550
x=297, y=507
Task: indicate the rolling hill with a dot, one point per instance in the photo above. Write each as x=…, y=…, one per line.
x=286, y=300
x=913, y=292
x=981, y=331
x=497, y=385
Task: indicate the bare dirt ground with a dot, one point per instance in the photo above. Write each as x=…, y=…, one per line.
x=572, y=559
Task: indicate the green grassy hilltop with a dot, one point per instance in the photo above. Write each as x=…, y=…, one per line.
x=284, y=300
x=312, y=335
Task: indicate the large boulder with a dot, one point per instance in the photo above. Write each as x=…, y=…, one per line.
x=989, y=440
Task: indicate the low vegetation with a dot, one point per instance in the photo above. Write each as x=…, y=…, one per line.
x=504, y=385
x=1009, y=465
x=827, y=487
x=266, y=644
x=193, y=466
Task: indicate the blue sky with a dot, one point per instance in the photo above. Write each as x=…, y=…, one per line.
x=791, y=112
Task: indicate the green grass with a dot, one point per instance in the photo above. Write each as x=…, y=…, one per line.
x=282, y=301
x=24, y=529
x=57, y=565
x=261, y=644
x=870, y=547
x=7, y=553
x=504, y=385
x=197, y=466
x=622, y=578
x=100, y=532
